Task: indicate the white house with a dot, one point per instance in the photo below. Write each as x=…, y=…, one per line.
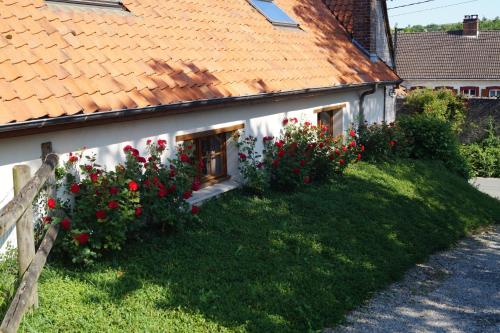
x=465, y=61
x=104, y=74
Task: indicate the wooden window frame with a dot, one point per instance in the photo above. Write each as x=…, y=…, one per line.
x=463, y=89
x=196, y=138
x=331, y=110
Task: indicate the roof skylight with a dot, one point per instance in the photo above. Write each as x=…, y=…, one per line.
x=94, y=3
x=273, y=13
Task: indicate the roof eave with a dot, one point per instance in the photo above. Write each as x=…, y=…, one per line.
x=49, y=124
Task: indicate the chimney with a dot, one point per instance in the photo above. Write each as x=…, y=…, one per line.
x=471, y=26
x=359, y=17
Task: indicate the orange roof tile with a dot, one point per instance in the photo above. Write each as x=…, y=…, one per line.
x=61, y=60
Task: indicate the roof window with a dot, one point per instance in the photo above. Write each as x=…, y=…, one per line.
x=117, y=4
x=273, y=13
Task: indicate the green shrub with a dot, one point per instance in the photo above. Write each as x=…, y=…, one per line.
x=382, y=141
x=431, y=138
x=8, y=278
x=484, y=156
x=442, y=104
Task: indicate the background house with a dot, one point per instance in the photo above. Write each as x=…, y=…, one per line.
x=466, y=61
x=106, y=74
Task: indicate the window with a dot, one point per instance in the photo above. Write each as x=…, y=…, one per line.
x=494, y=93
x=273, y=13
x=94, y=3
x=470, y=91
x=211, y=152
x=332, y=118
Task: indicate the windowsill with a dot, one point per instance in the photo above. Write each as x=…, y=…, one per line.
x=212, y=191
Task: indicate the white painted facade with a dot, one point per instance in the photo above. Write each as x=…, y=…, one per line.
x=456, y=84
x=107, y=141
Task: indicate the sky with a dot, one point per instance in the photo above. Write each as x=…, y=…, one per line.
x=427, y=13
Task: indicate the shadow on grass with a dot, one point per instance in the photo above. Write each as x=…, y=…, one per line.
x=294, y=262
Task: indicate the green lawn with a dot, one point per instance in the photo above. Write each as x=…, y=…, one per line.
x=282, y=263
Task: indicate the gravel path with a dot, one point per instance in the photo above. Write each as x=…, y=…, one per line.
x=455, y=291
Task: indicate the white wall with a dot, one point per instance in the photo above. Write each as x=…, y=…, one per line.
x=107, y=141
x=482, y=84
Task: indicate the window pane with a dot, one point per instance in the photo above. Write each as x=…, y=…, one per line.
x=272, y=12
x=338, y=128
x=324, y=119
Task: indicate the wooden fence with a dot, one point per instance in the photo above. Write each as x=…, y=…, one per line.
x=19, y=212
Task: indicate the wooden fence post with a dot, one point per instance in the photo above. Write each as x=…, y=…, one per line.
x=25, y=228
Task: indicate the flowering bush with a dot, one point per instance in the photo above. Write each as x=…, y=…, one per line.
x=108, y=207
x=383, y=141
x=251, y=165
x=304, y=153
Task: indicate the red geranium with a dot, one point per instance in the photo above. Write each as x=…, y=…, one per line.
x=113, y=204
x=82, y=238
x=75, y=188
x=113, y=190
x=186, y=195
x=51, y=203
x=66, y=224
x=133, y=186
x=195, y=210
x=100, y=214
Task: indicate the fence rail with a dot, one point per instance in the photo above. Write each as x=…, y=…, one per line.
x=18, y=212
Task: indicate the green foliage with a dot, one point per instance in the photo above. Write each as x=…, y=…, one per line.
x=283, y=262
x=251, y=166
x=485, y=24
x=383, y=141
x=304, y=153
x=484, y=156
x=442, y=104
x=430, y=138
x=8, y=278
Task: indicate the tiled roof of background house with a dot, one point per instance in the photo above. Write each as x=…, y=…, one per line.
x=448, y=55
x=63, y=59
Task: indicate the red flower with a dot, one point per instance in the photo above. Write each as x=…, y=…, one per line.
x=47, y=219
x=162, y=142
x=173, y=188
x=352, y=133
x=268, y=138
x=184, y=158
x=113, y=204
x=148, y=142
x=285, y=121
x=196, y=186
x=100, y=214
x=260, y=165
x=162, y=192
x=186, y=195
x=307, y=124
x=133, y=186
x=321, y=144
x=127, y=148
x=352, y=144
x=337, y=152
x=140, y=159
x=392, y=143
x=88, y=167
x=295, y=120
x=276, y=163
x=172, y=173
x=362, y=148
x=341, y=162
x=138, y=211
x=302, y=163
x=93, y=177
x=296, y=171
x=242, y=156
x=134, y=152
x=331, y=157
x=113, y=190
x=75, y=188
x=344, y=148
x=73, y=159
x=279, y=144
x=359, y=157
x=51, y=203
x=307, y=180
x=281, y=153
x=82, y=238
x=195, y=210
x=65, y=224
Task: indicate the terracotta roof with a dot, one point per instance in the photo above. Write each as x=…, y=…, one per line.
x=448, y=55
x=63, y=59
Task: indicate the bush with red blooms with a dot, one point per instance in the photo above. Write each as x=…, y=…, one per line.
x=383, y=141
x=251, y=166
x=166, y=187
x=305, y=153
x=108, y=207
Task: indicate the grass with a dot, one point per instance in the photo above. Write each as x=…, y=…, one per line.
x=287, y=262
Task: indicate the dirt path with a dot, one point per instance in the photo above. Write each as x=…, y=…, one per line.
x=455, y=291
